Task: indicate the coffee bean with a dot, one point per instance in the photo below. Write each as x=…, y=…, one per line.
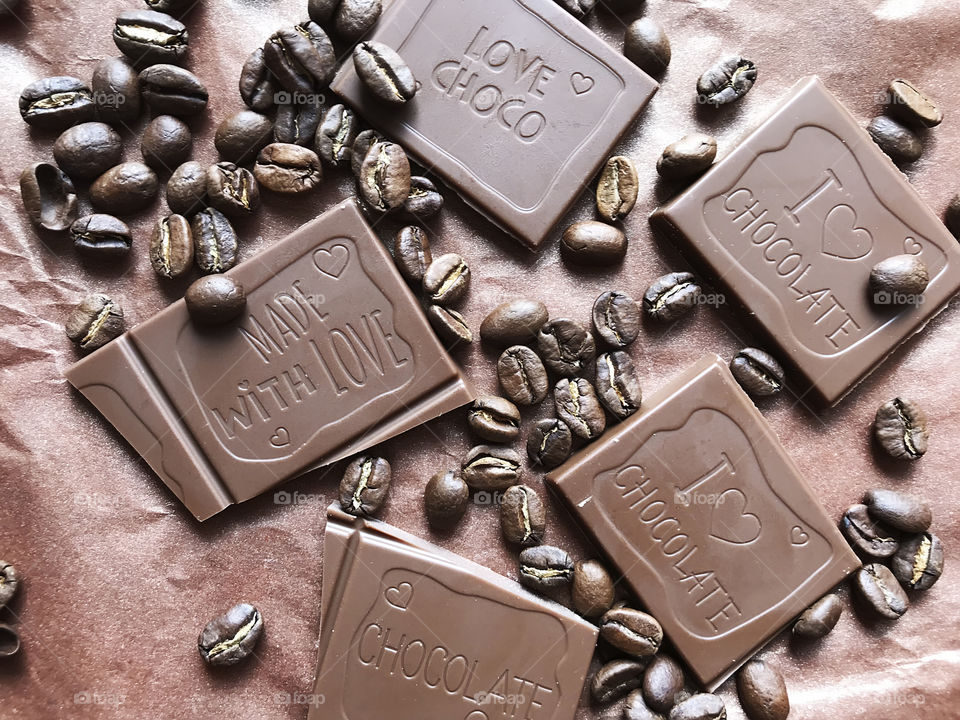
x=688, y=157
x=636, y=708
x=116, y=91
x=494, y=418
x=898, y=141
x=166, y=142
x=172, y=247
x=124, y=188
x=231, y=189
x=523, y=519
x=591, y=242
x=171, y=90
x=647, y=46
x=9, y=583
x=354, y=18
x=820, y=618
x=617, y=188
x=384, y=72
x=100, y=236
x=446, y=279
x=242, y=135
x=321, y=11
x=671, y=296
x=702, y=706
x=336, y=134
x=287, y=168
x=578, y=406
x=148, y=37
x=48, y=197
x=549, y=443
x=592, y=589
x=445, y=499
x=757, y=372
x=522, y=375
x=617, y=384
x=301, y=58
x=491, y=467
x=545, y=568
x=865, y=536
x=727, y=80
x=423, y=201
x=900, y=428
x=578, y=8
x=187, y=188
x=215, y=299
x=898, y=510
x=918, y=563
x=411, y=253
x=94, y=322
x=88, y=150
x=631, y=631
x=297, y=122
x=616, y=318
x=513, y=322
x=231, y=637
x=257, y=84
x=385, y=176
x=897, y=280
x=566, y=346
x=952, y=216
x=55, y=103
x=214, y=241
x=449, y=325
x=366, y=139
x=9, y=640
x=616, y=679
x=364, y=486
x=762, y=692
x=663, y=683
x=881, y=591
x=911, y=105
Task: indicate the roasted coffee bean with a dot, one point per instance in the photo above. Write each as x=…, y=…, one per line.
x=214, y=241
x=757, y=372
x=494, y=418
x=231, y=189
x=592, y=589
x=549, y=443
x=172, y=247
x=762, y=692
x=918, y=563
x=578, y=406
x=385, y=176
x=566, y=346
x=171, y=90
x=911, y=105
x=702, y=706
x=523, y=518
x=688, y=157
x=94, y=322
x=545, y=568
x=100, y=236
x=9, y=640
x=445, y=499
x=355, y=17
x=55, y=103
x=242, y=135
x=257, y=86
x=671, y=296
x=411, y=253
x=898, y=510
x=615, y=680
x=727, y=80
x=124, y=188
x=48, y=197
x=297, y=123
x=9, y=583
x=865, y=536
x=881, y=591
x=449, y=325
x=591, y=242
x=88, y=150
x=491, y=467
x=321, y=11
x=663, y=683
x=513, y=322
x=617, y=188
x=820, y=618
x=231, y=637
x=287, y=168
x=366, y=139
x=900, y=428
x=636, y=708
x=446, y=279
x=364, y=486
x=187, y=188
x=423, y=201
x=116, y=91
x=898, y=141
x=336, y=134
x=384, y=72
x=647, y=46
x=215, y=299
x=578, y=8
x=148, y=37
x=631, y=631
x=522, y=375
x=616, y=318
x=900, y=279
x=301, y=58
x=166, y=143
x=617, y=384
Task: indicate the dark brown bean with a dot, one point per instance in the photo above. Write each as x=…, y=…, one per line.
x=88, y=150
x=297, y=122
x=617, y=384
x=549, y=443
x=94, y=322
x=898, y=510
x=631, y=631
x=727, y=80
x=523, y=518
x=702, y=706
x=242, y=136
x=918, y=563
x=116, y=91
x=881, y=591
x=9, y=583
x=187, y=188
x=592, y=590
x=762, y=692
x=366, y=139
x=900, y=428
x=449, y=325
x=321, y=11
x=494, y=418
x=513, y=322
x=288, y=168
x=898, y=141
x=616, y=679
x=591, y=242
x=411, y=253
x=491, y=467
x=757, y=372
x=647, y=46
x=578, y=406
x=617, y=188
x=616, y=318
x=336, y=134
x=445, y=499
x=215, y=299
x=688, y=157
x=355, y=17
x=671, y=296
x=257, y=84
x=663, y=683
x=385, y=176
x=231, y=189
x=148, y=37
x=301, y=58
x=364, y=486
x=898, y=280
x=166, y=143
x=636, y=708
x=447, y=279
x=124, y=188
x=171, y=247
x=820, y=618
x=384, y=72
x=214, y=241
x=865, y=536
x=230, y=638
x=55, y=103
x=911, y=105
x=101, y=236
x=566, y=346
x=171, y=90
x=424, y=201
x=522, y=375
x=545, y=568
x=48, y=197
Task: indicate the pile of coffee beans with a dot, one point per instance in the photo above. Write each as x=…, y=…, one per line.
x=9, y=585
x=909, y=111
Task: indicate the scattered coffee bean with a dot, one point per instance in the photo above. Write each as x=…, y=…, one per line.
x=449, y=325
x=898, y=141
x=900, y=279
x=411, y=253
x=187, y=188
x=727, y=80
x=172, y=247
x=578, y=406
x=491, y=467
x=592, y=589
x=820, y=618
x=446, y=279
x=257, y=86
x=231, y=189
x=364, y=486
x=445, y=499
x=865, y=536
x=615, y=680
x=911, y=105
x=297, y=123
x=513, y=322
x=636, y=708
x=762, y=692
x=631, y=631
x=880, y=589
x=757, y=372
x=918, y=563
x=566, y=346
x=9, y=583
x=355, y=17
x=288, y=168
x=321, y=11
x=549, y=443
x=48, y=197
x=522, y=375
x=702, y=706
x=366, y=139
x=663, y=683
x=494, y=418
x=671, y=296
x=336, y=134
x=616, y=318
x=101, y=236
x=578, y=8
x=148, y=37
x=9, y=640
x=900, y=428
x=124, y=188
x=424, y=201
x=171, y=90
x=242, y=135
x=898, y=510
x=301, y=58
x=617, y=384
x=116, y=91
x=214, y=241
x=94, y=322
x=384, y=72
x=88, y=150
x=617, y=188
x=688, y=157
x=523, y=518
x=545, y=568
x=215, y=299
x=385, y=176
x=647, y=46
x=166, y=143
x=231, y=637
x=591, y=242
x=55, y=103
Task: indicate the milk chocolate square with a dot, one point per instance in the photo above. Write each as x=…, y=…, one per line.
x=710, y=523
x=790, y=224
x=331, y=355
x=518, y=105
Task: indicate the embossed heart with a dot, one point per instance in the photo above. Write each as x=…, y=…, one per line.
x=912, y=246
x=840, y=237
x=280, y=437
x=729, y=520
x=332, y=262
x=581, y=83
x=399, y=595
x=798, y=536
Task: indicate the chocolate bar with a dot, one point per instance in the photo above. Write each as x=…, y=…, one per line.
x=710, y=523
x=518, y=103
x=411, y=631
x=790, y=224
x=331, y=355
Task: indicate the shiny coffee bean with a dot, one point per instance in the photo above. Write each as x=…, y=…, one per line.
x=297, y=123
x=880, y=590
x=578, y=406
x=354, y=18
x=366, y=139
x=187, y=188
x=491, y=467
x=900, y=511
x=727, y=80
x=171, y=90
x=214, y=241
x=592, y=589
x=321, y=11
x=566, y=346
x=232, y=190
x=446, y=279
x=617, y=384
x=549, y=443
x=411, y=253
x=424, y=201
x=48, y=197
x=523, y=518
x=631, y=631
x=257, y=85
x=101, y=236
x=820, y=618
x=762, y=691
x=94, y=322
x=898, y=141
x=647, y=46
x=88, y=150
x=384, y=72
x=364, y=486
x=215, y=299
x=55, y=103
x=688, y=157
x=166, y=143
x=513, y=322
x=242, y=136
x=757, y=372
x=578, y=8
x=918, y=563
x=231, y=638
x=545, y=568
x=636, y=708
x=148, y=37
x=865, y=536
x=171, y=247
x=385, y=176
x=335, y=136
x=288, y=168
x=9, y=640
x=900, y=279
x=671, y=296
x=616, y=318
x=494, y=418
x=449, y=325
x=617, y=188
x=301, y=58
x=116, y=91
x=615, y=680
x=445, y=499
x=124, y=188
x=663, y=683
x=910, y=105
x=9, y=583
x=591, y=242
x=900, y=428
x=522, y=375
x=702, y=706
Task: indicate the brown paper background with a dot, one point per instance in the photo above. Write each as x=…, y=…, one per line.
x=119, y=578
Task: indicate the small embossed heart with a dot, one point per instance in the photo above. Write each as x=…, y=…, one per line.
x=841, y=238
x=399, y=595
x=912, y=246
x=581, y=83
x=280, y=437
x=729, y=520
x=798, y=536
x=332, y=262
